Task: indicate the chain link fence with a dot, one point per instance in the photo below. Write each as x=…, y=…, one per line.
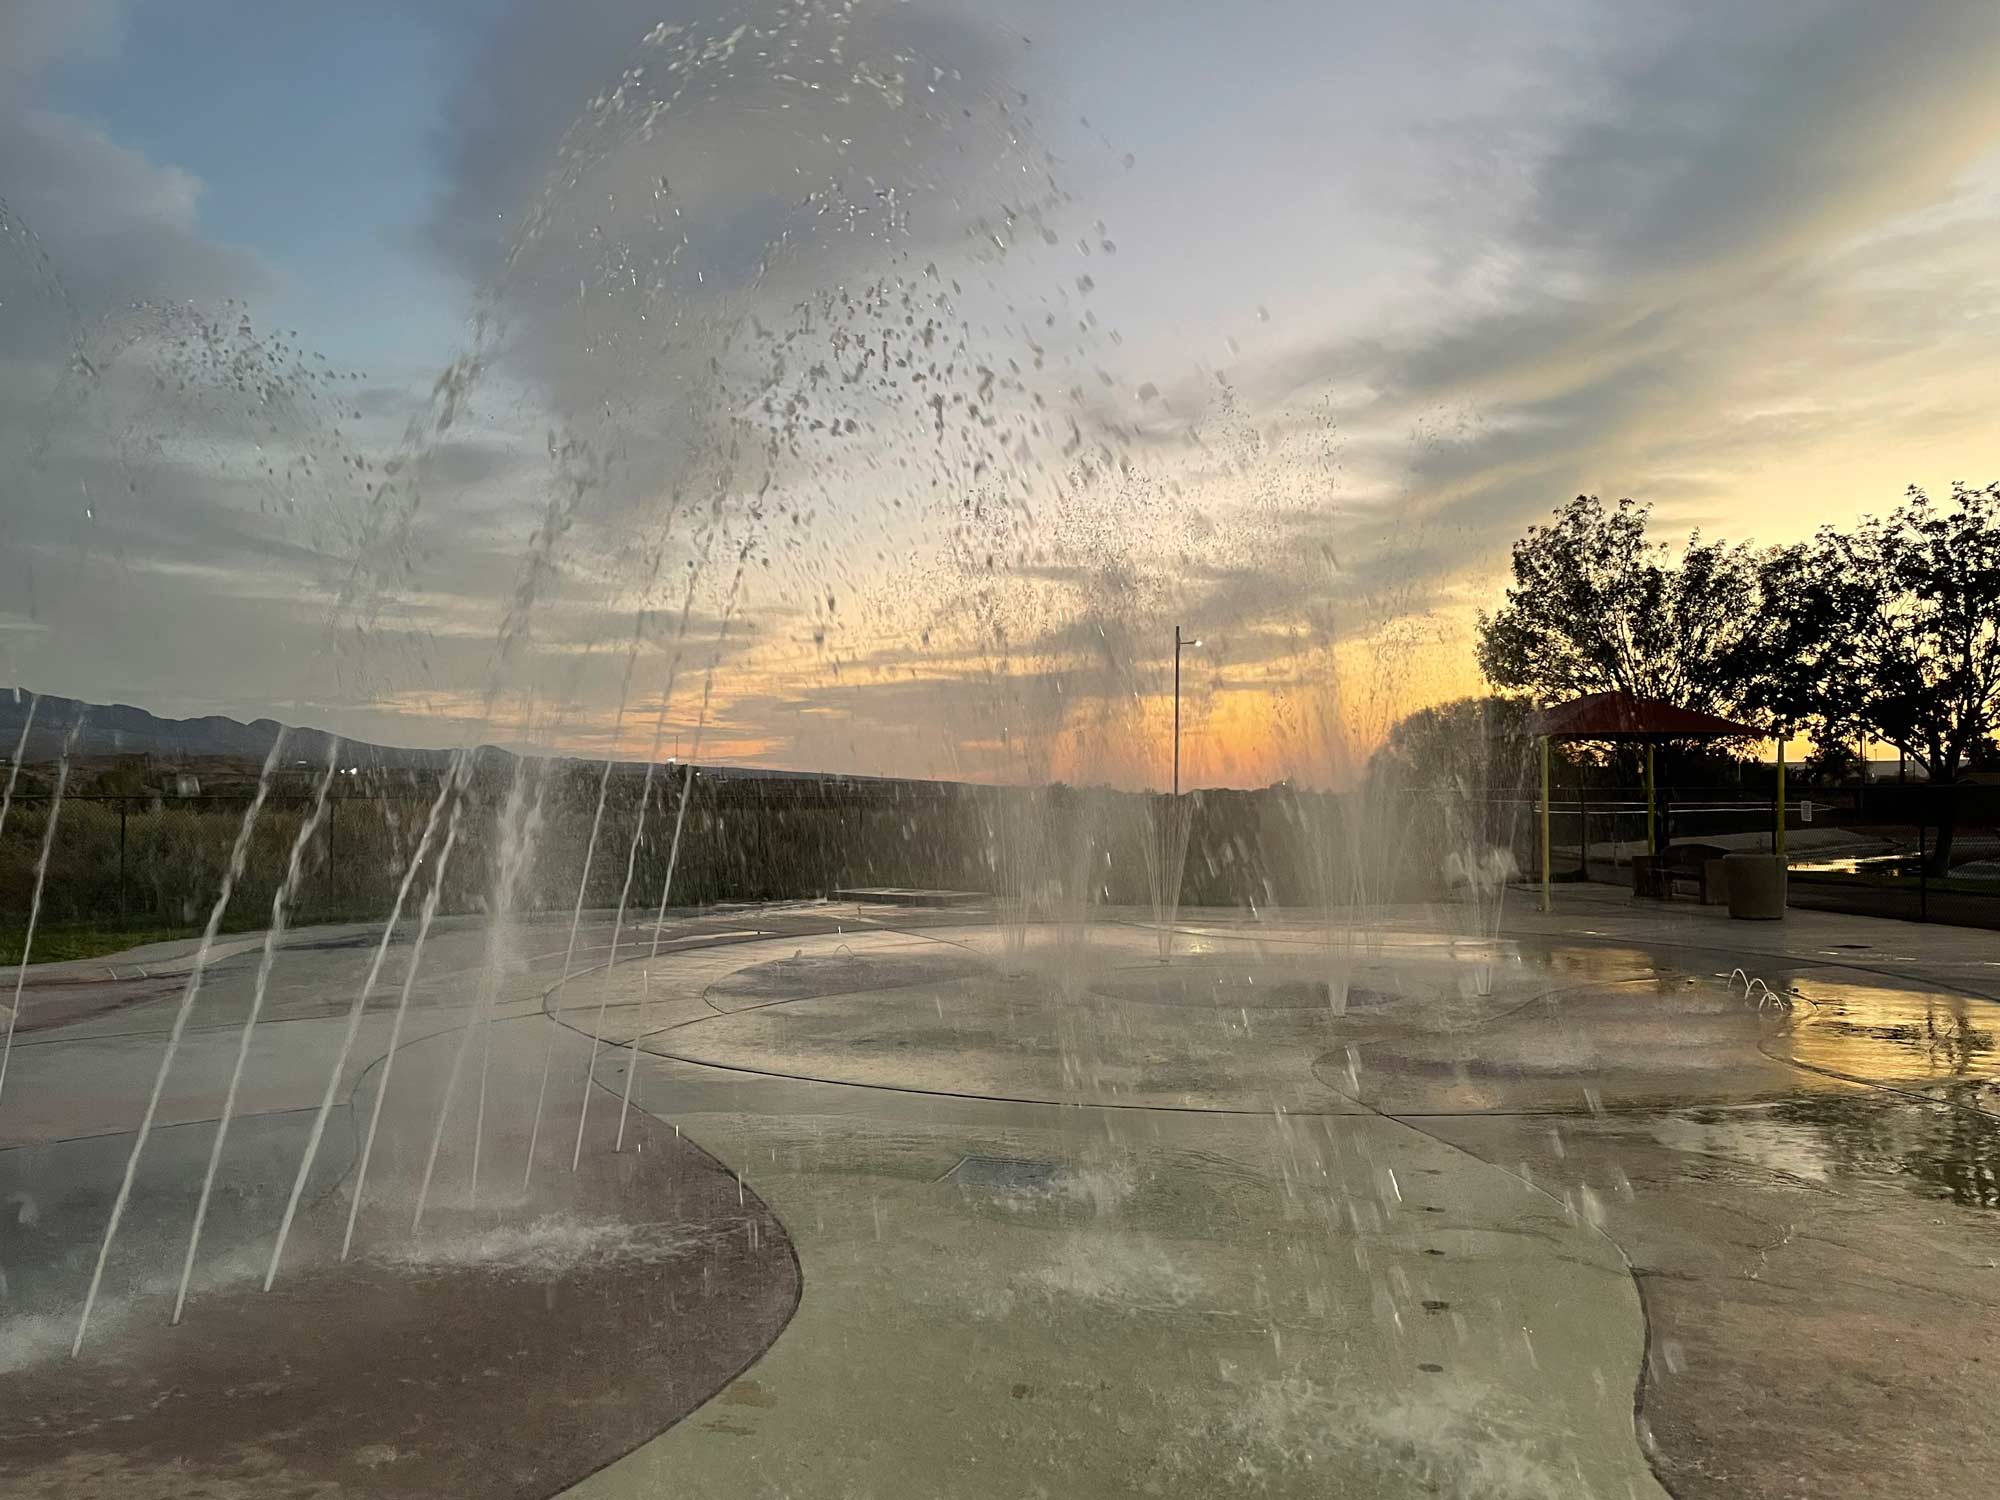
x=1908, y=850
x=154, y=863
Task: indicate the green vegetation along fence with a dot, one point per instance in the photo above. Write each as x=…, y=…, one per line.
x=154, y=864
x=145, y=866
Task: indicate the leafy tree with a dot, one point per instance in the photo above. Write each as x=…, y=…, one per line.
x=1454, y=780
x=1830, y=763
x=1892, y=629
x=1469, y=746
x=125, y=777
x=1596, y=606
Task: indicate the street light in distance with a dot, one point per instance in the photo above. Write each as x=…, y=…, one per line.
x=1181, y=643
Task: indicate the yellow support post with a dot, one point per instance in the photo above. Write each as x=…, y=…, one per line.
x=1547, y=902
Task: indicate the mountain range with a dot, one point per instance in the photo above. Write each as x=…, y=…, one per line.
x=117, y=729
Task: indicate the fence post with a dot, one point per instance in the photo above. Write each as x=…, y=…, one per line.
x=1778, y=827
x=1546, y=814
x=1652, y=829
x=123, y=804
x=1923, y=872
x=1582, y=827
x=332, y=817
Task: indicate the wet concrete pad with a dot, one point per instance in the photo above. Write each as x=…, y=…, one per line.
x=500, y=1355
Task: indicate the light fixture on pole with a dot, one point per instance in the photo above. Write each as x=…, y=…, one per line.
x=1180, y=644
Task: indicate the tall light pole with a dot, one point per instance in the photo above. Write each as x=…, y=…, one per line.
x=1180, y=644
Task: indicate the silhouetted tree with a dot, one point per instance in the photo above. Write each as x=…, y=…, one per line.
x=1831, y=762
x=1469, y=746
x=1454, y=781
x=1892, y=628
x=1596, y=606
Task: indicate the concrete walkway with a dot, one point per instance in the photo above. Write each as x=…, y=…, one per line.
x=1747, y=1166
x=1457, y=1201
x=1066, y=1237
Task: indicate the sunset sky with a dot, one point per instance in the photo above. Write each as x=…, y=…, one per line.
x=1279, y=321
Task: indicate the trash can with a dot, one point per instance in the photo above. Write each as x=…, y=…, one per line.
x=1756, y=886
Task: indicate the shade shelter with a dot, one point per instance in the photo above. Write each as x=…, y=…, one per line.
x=1624, y=718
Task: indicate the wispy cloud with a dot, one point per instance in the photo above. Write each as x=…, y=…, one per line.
x=954, y=359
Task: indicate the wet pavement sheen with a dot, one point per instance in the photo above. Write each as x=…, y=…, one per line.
x=1603, y=1204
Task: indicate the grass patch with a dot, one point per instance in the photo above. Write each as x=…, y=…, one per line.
x=56, y=944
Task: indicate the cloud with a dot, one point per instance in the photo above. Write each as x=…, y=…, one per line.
x=89, y=226
x=1747, y=136
x=634, y=182
x=1688, y=247
x=113, y=224
x=37, y=34
x=769, y=268
x=118, y=226
x=955, y=414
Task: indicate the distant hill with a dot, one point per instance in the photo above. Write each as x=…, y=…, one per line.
x=117, y=729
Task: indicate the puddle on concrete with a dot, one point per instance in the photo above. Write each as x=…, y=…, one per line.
x=1935, y=1150
x=1003, y=1172
x=1944, y=1152
x=1795, y=1149
x=1899, y=1036
x=1604, y=962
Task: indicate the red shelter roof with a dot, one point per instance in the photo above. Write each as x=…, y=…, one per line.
x=1621, y=716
